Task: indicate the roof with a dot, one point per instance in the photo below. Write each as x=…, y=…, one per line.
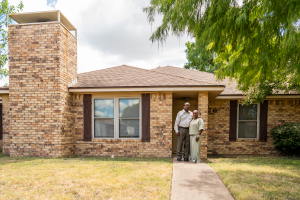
x=4, y=88
x=230, y=89
x=129, y=76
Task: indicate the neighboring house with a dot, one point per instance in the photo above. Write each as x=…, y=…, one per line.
x=50, y=110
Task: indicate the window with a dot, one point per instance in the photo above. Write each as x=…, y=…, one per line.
x=116, y=118
x=247, y=121
x=104, y=118
x=129, y=113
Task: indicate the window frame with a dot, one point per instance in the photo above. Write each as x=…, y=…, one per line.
x=257, y=120
x=117, y=118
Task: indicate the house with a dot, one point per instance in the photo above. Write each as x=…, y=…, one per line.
x=49, y=110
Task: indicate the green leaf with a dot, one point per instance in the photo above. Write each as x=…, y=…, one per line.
x=255, y=43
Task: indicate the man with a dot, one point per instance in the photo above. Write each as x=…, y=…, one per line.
x=181, y=128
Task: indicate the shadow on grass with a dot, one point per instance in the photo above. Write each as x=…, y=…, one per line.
x=4, y=159
x=257, y=160
x=260, y=185
x=253, y=156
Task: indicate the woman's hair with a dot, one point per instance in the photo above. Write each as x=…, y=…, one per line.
x=196, y=111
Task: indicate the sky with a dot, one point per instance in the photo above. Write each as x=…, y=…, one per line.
x=112, y=33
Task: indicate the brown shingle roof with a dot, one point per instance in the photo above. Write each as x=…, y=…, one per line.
x=230, y=89
x=4, y=88
x=128, y=76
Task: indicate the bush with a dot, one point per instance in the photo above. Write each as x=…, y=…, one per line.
x=287, y=138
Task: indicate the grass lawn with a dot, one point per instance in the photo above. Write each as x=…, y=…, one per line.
x=259, y=177
x=84, y=178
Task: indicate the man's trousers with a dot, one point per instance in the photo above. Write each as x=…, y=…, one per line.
x=183, y=138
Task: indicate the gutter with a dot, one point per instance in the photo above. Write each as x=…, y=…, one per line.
x=241, y=96
x=148, y=88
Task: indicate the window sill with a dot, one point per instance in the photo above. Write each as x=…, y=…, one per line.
x=116, y=139
x=240, y=139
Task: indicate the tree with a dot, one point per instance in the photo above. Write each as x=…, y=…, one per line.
x=200, y=58
x=5, y=9
x=255, y=42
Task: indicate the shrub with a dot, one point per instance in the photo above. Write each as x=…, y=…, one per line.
x=287, y=138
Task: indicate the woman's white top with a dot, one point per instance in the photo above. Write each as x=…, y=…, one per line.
x=195, y=126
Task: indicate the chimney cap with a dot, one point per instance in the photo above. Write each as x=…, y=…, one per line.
x=42, y=16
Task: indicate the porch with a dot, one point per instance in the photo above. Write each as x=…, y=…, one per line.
x=198, y=101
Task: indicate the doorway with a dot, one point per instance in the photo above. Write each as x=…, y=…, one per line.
x=179, y=98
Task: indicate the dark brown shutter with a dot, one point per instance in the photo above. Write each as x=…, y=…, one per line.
x=263, y=121
x=233, y=120
x=1, y=127
x=87, y=117
x=146, y=117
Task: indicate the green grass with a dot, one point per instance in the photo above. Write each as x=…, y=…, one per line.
x=259, y=177
x=84, y=178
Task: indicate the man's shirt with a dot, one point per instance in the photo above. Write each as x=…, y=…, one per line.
x=183, y=119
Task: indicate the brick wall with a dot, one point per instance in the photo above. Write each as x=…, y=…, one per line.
x=5, y=124
x=160, y=144
x=68, y=73
x=283, y=111
x=279, y=113
x=42, y=59
x=203, y=109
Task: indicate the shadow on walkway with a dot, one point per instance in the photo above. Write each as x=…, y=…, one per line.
x=197, y=181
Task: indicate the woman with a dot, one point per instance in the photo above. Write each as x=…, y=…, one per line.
x=195, y=132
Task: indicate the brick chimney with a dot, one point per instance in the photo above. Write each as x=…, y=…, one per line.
x=42, y=63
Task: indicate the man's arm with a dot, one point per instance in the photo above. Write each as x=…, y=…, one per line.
x=177, y=123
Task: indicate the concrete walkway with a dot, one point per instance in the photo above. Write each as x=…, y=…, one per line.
x=197, y=181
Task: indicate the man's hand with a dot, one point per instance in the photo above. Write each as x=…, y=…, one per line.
x=177, y=133
x=197, y=138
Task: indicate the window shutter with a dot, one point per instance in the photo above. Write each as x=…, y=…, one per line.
x=263, y=121
x=87, y=117
x=1, y=127
x=146, y=117
x=233, y=120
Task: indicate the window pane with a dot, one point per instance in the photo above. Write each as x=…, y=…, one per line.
x=104, y=128
x=248, y=112
x=129, y=108
x=104, y=108
x=247, y=129
x=129, y=128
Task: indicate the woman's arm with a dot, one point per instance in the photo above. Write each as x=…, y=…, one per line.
x=201, y=127
x=199, y=134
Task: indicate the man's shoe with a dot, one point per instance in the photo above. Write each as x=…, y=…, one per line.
x=178, y=159
x=186, y=159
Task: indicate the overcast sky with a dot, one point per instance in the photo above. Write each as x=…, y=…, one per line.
x=112, y=33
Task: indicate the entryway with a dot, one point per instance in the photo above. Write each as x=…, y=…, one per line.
x=179, y=98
